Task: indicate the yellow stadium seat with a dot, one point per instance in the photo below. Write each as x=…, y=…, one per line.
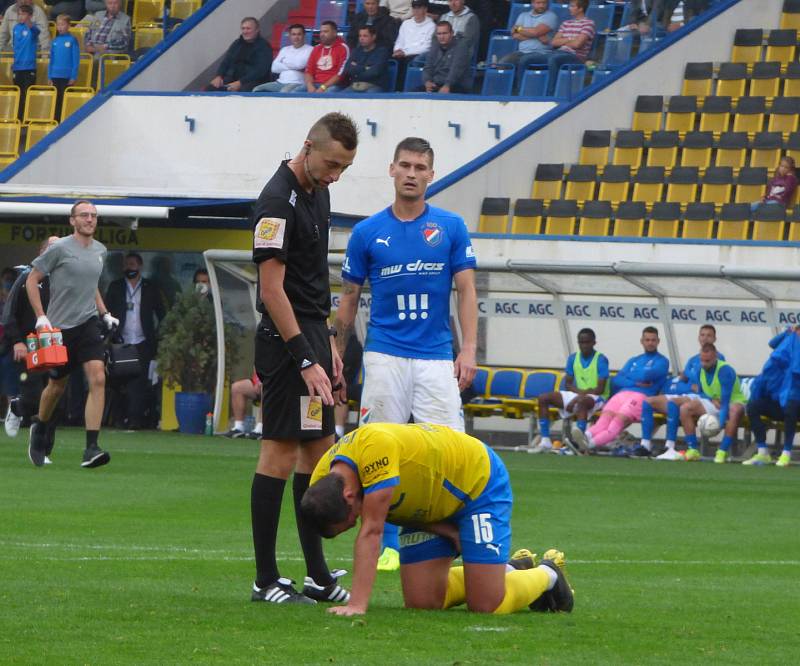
x=682, y=185
x=595, y=219
x=561, y=217
x=629, y=148
x=629, y=219
x=766, y=150
x=527, y=218
x=183, y=9
x=9, y=137
x=794, y=225
x=647, y=113
x=751, y=184
x=9, y=102
x=731, y=80
x=5, y=160
x=791, y=85
x=595, y=147
x=78, y=31
x=732, y=150
x=147, y=35
x=74, y=99
x=648, y=185
x=85, y=71
x=749, y=116
x=790, y=17
x=697, y=147
x=698, y=79
x=766, y=79
x=781, y=46
x=6, y=75
x=715, y=114
x=717, y=186
x=784, y=115
x=734, y=222
x=40, y=104
x=747, y=45
x=147, y=11
x=36, y=131
x=615, y=183
x=42, y=65
x=665, y=219
x=547, y=181
x=698, y=221
x=581, y=182
x=112, y=65
x=494, y=215
x=792, y=146
x=769, y=223
x=663, y=150
x=681, y=114
x=51, y=28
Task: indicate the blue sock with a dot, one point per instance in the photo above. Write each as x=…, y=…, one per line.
x=544, y=427
x=691, y=441
x=673, y=421
x=647, y=421
x=726, y=443
x=788, y=441
x=581, y=425
x=391, y=536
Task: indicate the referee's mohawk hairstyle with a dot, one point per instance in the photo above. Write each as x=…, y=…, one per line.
x=335, y=126
x=414, y=144
x=323, y=504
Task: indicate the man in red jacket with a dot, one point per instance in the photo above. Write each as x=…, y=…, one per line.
x=325, y=68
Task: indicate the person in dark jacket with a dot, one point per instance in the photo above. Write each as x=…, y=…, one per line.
x=138, y=305
x=247, y=61
x=366, y=68
x=378, y=17
x=447, y=67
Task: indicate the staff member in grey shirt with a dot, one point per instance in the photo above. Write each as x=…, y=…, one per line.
x=74, y=264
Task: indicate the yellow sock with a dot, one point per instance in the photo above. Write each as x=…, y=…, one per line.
x=456, y=590
x=523, y=587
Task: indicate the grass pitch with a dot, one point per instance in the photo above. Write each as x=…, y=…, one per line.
x=149, y=561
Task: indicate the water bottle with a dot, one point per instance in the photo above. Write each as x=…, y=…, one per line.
x=209, y=424
x=249, y=423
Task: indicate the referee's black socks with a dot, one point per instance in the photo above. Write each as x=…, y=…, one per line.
x=310, y=540
x=265, y=511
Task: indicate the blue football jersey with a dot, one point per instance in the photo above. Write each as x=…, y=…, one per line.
x=410, y=268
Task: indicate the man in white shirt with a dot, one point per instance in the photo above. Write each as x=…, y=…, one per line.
x=414, y=38
x=290, y=64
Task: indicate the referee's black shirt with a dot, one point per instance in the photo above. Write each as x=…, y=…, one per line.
x=292, y=225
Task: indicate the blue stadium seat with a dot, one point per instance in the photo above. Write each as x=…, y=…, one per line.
x=516, y=9
x=534, y=81
x=602, y=15
x=617, y=50
x=413, y=78
x=331, y=10
x=627, y=13
x=506, y=383
x=391, y=76
x=600, y=73
x=538, y=382
x=499, y=80
x=561, y=10
x=480, y=381
x=570, y=81
x=501, y=43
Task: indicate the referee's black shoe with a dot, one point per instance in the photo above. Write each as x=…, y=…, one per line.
x=94, y=456
x=37, y=442
x=280, y=592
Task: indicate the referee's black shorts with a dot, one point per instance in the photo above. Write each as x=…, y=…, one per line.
x=283, y=387
x=84, y=343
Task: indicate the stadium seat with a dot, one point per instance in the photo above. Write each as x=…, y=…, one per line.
x=498, y=80
x=413, y=78
x=183, y=9
x=698, y=221
x=527, y=218
x=595, y=147
x=749, y=115
x=784, y=115
x=5, y=160
x=501, y=383
x=792, y=146
x=74, y=99
x=682, y=185
x=112, y=65
x=734, y=222
x=732, y=150
x=501, y=43
x=629, y=148
x=617, y=50
x=697, y=147
x=765, y=80
x=9, y=103
x=600, y=74
x=561, y=10
x=535, y=80
x=663, y=150
x=36, y=131
x=665, y=218
x=570, y=80
x=751, y=184
x=766, y=149
x=535, y=382
x=791, y=85
x=647, y=113
x=581, y=181
x=146, y=36
x=561, y=217
x=40, y=104
x=595, y=218
x=6, y=75
x=480, y=382
x=648, y=184
x=717, y=185
x=42, y=65
x=494, y=215
x=781, y=46
x=715, y=114
x=147, y=11
x=790, y=16
x=794, y=225
x=515, y=10
x=732, y=80
x=85, y=71
x=629, y=219
x=547, y=181
x=391, y=75
x=698, y=79
x=78, y=31
x=747, y=45
x=769, y=223
x=602, y=15
x=681, y=112
x=9, y=137
x=615, y=183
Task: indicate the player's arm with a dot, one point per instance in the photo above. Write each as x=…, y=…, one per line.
x=465, y=365
x=346, y=313
x=32, y=289
x=271, y=273
x=727, y=378
x=366, y=551
x=624, y=379
x=102, y=310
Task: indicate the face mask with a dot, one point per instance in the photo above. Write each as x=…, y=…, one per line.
x=201, y=288
x=131, y=274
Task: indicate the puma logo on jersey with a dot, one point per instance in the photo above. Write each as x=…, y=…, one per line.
x=494, y=547
x=383, y=241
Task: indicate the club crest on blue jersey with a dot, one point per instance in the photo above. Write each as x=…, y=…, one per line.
x=433, y=234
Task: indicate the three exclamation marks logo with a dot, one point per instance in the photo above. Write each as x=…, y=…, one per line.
x=412, y=306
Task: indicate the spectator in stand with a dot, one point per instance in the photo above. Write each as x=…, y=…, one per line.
x=73, y=8
x=533, y=30
x=11, y=18
x=109, y=30
x=781, y=187
x=247, y=61
x=400, y=10
x=366, y=68
x=65, y=55
x=243, y=390
x=26, y=34
x=326, y=64
x=447, y=66
x=571, y=44
x=290, y=64
x=465, y=24
x=414, y=39
x=202, y=282
x=378, y=17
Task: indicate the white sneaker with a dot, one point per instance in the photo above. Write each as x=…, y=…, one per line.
x=542, y=447
x=47, y=461
x=581, y=439
x=12, y=423
x=669, y=454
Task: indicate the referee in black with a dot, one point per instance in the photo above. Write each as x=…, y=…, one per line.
x=295, y=358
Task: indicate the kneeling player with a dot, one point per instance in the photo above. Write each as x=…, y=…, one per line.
x=452, y=495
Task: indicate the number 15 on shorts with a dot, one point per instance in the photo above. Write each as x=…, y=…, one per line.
x=482, y=528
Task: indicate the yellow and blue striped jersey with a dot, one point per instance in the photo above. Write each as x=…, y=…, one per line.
x=432, y=470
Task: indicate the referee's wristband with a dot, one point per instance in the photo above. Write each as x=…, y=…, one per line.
x=301, y=351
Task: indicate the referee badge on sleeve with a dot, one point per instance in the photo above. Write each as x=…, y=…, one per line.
x=269, y=232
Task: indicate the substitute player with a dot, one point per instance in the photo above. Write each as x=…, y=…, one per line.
x=411, y=253
x=586, y=390
x=295, y=358
x=74, y=264
x=451, y=494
